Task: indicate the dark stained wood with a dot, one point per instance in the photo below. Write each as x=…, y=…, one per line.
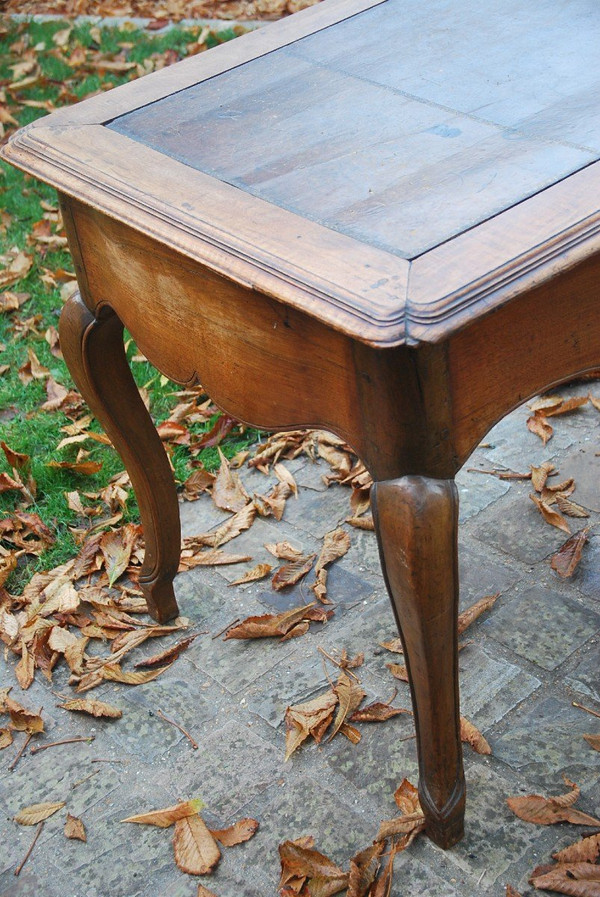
x=376, y=218
x=416, y=519
x=92, y=346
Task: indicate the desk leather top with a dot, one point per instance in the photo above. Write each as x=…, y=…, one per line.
x=403, y=125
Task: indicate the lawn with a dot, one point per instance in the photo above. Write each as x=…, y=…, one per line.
x=56, y=465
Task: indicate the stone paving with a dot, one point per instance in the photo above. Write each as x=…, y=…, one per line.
x=527, y=660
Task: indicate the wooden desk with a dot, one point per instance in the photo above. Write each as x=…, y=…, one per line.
x=375, y=218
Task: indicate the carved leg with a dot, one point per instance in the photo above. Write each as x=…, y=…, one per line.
x=94, y=352
x=416, y=520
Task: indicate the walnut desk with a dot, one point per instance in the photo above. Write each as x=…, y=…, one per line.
x=377, y=218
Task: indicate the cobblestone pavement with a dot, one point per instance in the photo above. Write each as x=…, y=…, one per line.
x=527, y=660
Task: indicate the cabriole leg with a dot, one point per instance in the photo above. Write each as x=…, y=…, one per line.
x=416, y=520
x=94, y=352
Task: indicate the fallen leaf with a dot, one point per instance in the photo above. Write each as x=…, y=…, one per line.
x=364, y=867
x=284, y=551
x=593, y=741
x=383, y=886
x=37, y=812
x=213, y=557
x=570, y=508
x=168, y=655
x=538, y=425
x=468, y=616
x=285, y=476
x=15, y=459
x=228, y=492
x=196, y=851
x=6, y=738
x=198, y=482
x=310, y=718
x=204, y=892
x=471, y=735
x=169, y=816
x=21, y=719
x=116, y=547
x=587, y=850
x=74, y=828
x=376, y=713
x=550, y=516
x=575, y=879
x=398, y=671
x=256, y=573
x=93, y=708
x=301, y=863
x=114, y=673
x=549, y=810
x=539, y=475
x=87, y=468
x=272, y=625
x=240, y=831
x=565, y=560
x=350, y=695
x=365, y=522
x=566, y=405
x=290, y=574
x=510, y=892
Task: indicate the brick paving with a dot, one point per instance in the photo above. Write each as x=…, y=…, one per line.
x=527, y=660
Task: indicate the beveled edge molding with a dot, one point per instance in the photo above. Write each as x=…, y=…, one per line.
x=356, y=288
x=513, y=252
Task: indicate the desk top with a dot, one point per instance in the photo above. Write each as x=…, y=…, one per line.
x=392, y=167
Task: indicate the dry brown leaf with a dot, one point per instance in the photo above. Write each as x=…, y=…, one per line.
x=204, y=892
x=549, y=810
x=240, y=831
x=290, y=574
x=21, y=719
x=408, y=826
x=168, y=655
x=256, y=573
x=364, y=867
x=587, y=850
x=550, y=516
x=241, y=521
x=398, y=671
x=570, y=508
x=350, y=695
x=274, y=502
x=565, y=560
x=285, y=476
x=539, y=425
x=510, y=892
x=114, y=673
x=383, y=885
x=593, y=741
x=468, y=616
x=198, y=482
x=574, y=879
x=566, y=406
x=25, y=669
x=169, y=816
x=365, y=522
x=196, y=851
x=301, y=863
x=6, y=738
x=310, y=718
x=214, y=557
x=74, y=828
x=228, y=492
x=471, y=735
x=116, y=547
x=272, y=625
x=284, y=551
x=37, y=812
x=377, y=712
x=539, y=475
x=93, y=708
x=87, y=468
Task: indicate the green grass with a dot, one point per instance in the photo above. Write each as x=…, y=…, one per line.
x=23, y=425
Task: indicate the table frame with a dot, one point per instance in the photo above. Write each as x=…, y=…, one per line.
x=411, y=361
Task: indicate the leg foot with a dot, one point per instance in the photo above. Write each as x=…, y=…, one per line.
x=93, y=350
x=416, y=520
